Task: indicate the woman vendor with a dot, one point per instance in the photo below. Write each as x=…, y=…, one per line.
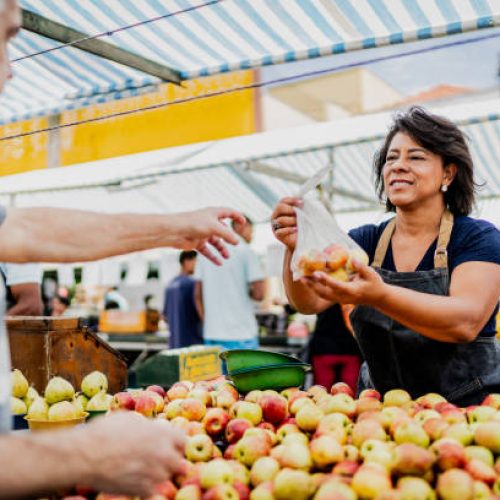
x=425, y=308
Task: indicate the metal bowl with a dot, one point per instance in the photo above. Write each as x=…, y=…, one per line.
x=275, y=377
x=47, y=425
x=239, y=359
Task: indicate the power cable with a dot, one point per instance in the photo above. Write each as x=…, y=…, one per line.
x=117, y=30
x=254, y=86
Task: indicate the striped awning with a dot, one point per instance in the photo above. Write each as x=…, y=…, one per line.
x=206, y=37
x=250, y=173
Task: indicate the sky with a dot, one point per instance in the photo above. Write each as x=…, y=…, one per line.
x=472, y=65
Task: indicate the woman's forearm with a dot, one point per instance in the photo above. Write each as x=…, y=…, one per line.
x=443, y=318
x=54, y=235
x=299, y=295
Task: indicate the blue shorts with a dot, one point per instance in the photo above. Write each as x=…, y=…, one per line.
x=228, y=345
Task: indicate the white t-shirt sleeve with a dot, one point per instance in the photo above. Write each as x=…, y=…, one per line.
x=254, y=268
x=23, y=273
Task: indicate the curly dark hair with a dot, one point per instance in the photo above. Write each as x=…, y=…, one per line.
x=442, y=137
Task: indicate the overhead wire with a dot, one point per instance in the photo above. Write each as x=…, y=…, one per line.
x=116, y=30
x=251, y=86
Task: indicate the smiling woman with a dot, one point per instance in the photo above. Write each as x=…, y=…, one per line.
x=425, y=315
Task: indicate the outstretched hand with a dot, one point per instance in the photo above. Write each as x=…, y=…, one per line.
x=366, y=287
x=205, y=231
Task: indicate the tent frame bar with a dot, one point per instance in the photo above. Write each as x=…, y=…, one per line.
x=41, y=25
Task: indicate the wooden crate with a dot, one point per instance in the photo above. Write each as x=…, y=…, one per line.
x=44, y=347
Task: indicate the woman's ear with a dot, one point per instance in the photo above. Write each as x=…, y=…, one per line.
x=450, y=171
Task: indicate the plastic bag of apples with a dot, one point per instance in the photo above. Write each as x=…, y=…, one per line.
x=321, y=243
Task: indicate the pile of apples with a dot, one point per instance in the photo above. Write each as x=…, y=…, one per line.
x=324, y=444
x=335, y=260
x=59, y=401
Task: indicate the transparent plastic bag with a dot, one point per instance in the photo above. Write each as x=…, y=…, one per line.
x=321, y=243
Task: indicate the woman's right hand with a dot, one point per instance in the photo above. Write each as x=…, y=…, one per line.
x=284, y=221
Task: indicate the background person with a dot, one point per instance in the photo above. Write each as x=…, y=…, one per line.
x=179, y=308
x=59, y=305
x=425, y=315
x=224, y=296
x=23, y=289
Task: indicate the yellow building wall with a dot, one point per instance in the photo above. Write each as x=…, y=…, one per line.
x=199, y=120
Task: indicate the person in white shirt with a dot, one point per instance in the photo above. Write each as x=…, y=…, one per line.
x=24, y=295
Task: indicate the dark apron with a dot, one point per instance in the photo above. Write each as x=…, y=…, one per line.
x=399, y=358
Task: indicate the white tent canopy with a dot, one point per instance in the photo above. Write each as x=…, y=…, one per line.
x=249, y=172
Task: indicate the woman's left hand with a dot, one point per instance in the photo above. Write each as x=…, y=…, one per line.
x=367, y=287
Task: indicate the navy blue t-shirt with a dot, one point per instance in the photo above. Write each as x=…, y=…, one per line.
x=471, y=240
x=180, y=310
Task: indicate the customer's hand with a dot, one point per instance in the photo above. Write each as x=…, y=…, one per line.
x=128, y=454
x=204, y=231
x=284, y=221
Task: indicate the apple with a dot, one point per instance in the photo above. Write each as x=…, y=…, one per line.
x=479, y=453
x=268, y=426
x=341, y=388
x=173, y=409
x=326, y=451
x=411, y=432
x=481, y=491
x=461, y=432
x=415, y=487
x=242, y=489
x=367, y=404
x=426, y=414
x=453, y=416
x=286, y=429
x=159, y=401
x=330, y=426
x=396, y=397
x=264, y=469
x=221, y=492
x=123, y=401
x=259, y=433
x=253, y=396
x=215, y=421
x=236, y=428
x=229, y=452
x=390, y=414
x=250, y=448
x=338, y=403
x=193, y=409
x=180, y=422
x=411, y=459
x=488, y=434
x=412, y=408
x=294, y=395
x=295, y=456
x=264, y=491
x=277, y=452
x=251, y=411
x=370, y=480
x=178, y=391
x=367, y=429
x=274, y=408
x=233, y=409
x=299, y=403
x=202, y=395
x=166, y=490
x=430, y=400
x=450, y=454
x=492, y=400
x=435, y=427
x=317, y=391
x=481, y=471
x=193, y=428
x=215, y=472
x=334, y=489
x=158, y=389
x=345, y=470
x=189, y=492
x=480, y=414
x=296, y=437
x=370, y=393
x=373, y=450
x=199, y=448
x=351, y=453
x=240, y=472
x=454, y=484
x=290, y=483
x=308, y=417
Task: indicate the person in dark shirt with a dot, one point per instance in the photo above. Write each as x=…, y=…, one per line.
x=179, y=306
x=334, y=352
x=425, y=309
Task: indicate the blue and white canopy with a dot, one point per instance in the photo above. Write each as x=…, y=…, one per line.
x=206, y=37
x=252, y=172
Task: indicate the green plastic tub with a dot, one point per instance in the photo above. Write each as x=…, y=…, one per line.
x=275, y=377
x=239, y=359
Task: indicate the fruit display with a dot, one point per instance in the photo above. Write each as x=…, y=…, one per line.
x=335, y=260
x=59, y=402
x=323, y=444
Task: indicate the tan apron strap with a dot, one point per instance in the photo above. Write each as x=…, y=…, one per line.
x=441, y=254
x=383, y=243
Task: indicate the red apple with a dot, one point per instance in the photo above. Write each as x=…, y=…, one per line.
x=215, y=421
x=370, y=393
x=345, y=470
x=221, y=492
x=250, y=448
x=236, y=428
x=166, y=490
x=178, y=391
x=193, y=409
x=145, y=405
x=411, y=459
x=274, y=408
x=123, y=401
x=242, y=489
x=481, y=471
x=454, y=484
x=341, y=388
x=449, y=453
x=492, y=400
x=158, y=389
x=199, y=448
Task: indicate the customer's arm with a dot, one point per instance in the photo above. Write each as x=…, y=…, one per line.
x=258, y=290
x=59, y=235
x=123, y=453
x=28, y=300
